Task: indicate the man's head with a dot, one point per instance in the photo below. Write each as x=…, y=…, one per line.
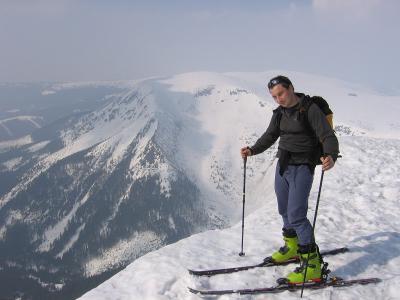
x=281, y=89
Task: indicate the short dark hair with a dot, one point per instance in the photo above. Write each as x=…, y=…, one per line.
x=280, y=79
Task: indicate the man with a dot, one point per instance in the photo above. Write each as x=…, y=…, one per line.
x=302, y=127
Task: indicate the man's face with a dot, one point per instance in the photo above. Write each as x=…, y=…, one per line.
x=283, y=96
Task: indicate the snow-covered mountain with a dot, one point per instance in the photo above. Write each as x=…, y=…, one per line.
x=158, y=162
x=27, y=107
x=359, y=204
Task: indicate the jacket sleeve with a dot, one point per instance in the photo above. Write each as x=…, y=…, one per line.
x=324, y=131
x=268, y=138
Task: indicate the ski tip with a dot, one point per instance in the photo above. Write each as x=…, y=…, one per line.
x=202, y=273
x=369, y=280
x=193, y=291
x=282, y=281
x=343, y=249
x=335, y=251
x=268, y=260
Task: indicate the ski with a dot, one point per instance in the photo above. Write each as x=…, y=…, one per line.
x=266, y=263
x=331, y=282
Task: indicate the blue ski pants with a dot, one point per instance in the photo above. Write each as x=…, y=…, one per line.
x=292, y=192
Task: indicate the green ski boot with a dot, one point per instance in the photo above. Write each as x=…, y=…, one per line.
x=314, y=271
x=289, y=250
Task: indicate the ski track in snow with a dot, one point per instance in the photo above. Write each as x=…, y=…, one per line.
x=359, y=209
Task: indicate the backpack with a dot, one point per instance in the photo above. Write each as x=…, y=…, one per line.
x=307, y=102
x=323, y=106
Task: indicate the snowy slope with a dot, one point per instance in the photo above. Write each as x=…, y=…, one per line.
x=103, y=187
x=359, y=205
x=26, y=107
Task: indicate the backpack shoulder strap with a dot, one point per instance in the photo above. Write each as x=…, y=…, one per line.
x=305, y=104
x=278, y=112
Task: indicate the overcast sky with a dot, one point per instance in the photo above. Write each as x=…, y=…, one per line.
x=81, y=40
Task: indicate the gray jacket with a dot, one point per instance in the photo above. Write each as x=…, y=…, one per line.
x=298, y=136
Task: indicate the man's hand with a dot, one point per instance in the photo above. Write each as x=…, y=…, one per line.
x=245, y=151
x=327, y=163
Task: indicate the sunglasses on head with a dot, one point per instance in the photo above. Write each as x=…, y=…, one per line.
x=278, y=80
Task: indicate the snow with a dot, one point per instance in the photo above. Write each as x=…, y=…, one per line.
x=211, y=134
x=38, y=146
x=12, y=163
x=200, y=121
x=5, y=128
x=16, y=143
x=359, y=204
x=51, y=286
x=30, y=119
x=124, y=250
x=12, y=218
x=12, y=111
x=54, y=232
x=115, y=128
x=233, y=109
x=71, y=242
x=358, y=209
x=109, y=127
x=54, y=88
x=48, y=92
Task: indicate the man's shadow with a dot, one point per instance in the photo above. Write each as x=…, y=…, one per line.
x=381, y=248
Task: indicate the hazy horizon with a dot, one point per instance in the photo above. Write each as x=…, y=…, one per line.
x=58, y=41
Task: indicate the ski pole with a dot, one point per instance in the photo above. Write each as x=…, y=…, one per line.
x=244, y=200
x=313, y=230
